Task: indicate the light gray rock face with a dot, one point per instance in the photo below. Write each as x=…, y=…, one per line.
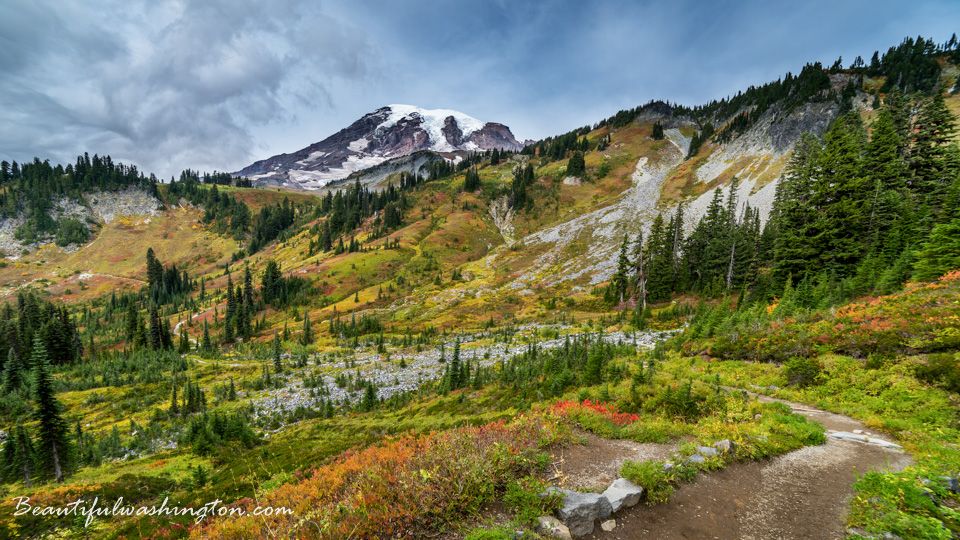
x=697, y=458
x=552, y=527
x=609, y=525
x=623, y=493
x=579, y=511
x=707, y=451
x=103, y=206
x=726, y=447
x=847, y=436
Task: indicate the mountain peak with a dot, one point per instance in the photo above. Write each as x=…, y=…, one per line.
x=388, y=132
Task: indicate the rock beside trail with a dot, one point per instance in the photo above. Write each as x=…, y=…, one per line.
x=579, y=511
x=609, y=525
x=726, y=447
x=553, y=527
x=847, y=436
x=623, y=493
x=860, y=533
x=707, y=451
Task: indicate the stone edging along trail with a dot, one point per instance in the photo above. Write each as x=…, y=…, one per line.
x=799, y=495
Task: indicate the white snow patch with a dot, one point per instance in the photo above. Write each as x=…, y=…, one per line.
x=313, y=157
x=432, y=123
x=318, y=179
x=358, y=145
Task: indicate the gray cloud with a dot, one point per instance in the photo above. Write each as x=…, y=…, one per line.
x=164, y=85
x=216, y=84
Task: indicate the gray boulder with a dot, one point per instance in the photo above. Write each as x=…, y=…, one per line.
x=697, y=458
x=623, y=493
x=579, y=511
x=707, y=451
x=726, y=447
x=847, y=436
x=552, y=527
x=952, y=484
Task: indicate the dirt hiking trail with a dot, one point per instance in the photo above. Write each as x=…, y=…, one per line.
x=803, y=494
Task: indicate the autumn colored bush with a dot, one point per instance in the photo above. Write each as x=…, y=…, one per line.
x=414, y=484
x=923, y=318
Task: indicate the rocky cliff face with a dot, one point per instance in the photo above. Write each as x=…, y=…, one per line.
x=95, y=207
x=757, y=158
x=387, y=133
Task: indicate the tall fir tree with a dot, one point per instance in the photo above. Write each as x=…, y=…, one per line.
x=933, y=153
x=230, y=318
x=19, y=455
x=660, y=276
x=13, y=373
x=277, y=361
x=620, y=281
x=841, y=197
x=156, y=333
x=306, y=335
x=53, y=443
x=793, y=212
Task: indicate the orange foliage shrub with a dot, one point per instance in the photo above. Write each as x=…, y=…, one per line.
x=411, y=485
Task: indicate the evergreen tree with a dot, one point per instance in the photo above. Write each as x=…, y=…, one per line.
x=454, y=369
x=889, y=203
x=660, y=276
x=306, y=335
x=934, y=154
x=230, y=318
x=657, y=131
x=174, y=409
x=620, y=280
x=793, y=212
x=13, y=377
x=19, y=455
x=131, y=323
x=154, y=270
x=576, y=166
x=277, y=362
x=941, y=253
x=641, y=274
x=248, y=288
x=156, y=334
x=369, y=402
x=841, y=197
x=206, y=346
x=53, y=444
x=183, y=347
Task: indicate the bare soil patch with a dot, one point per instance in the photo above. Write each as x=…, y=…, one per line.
x=594, y=465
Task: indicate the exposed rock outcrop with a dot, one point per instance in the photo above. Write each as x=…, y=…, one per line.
x=98, y=206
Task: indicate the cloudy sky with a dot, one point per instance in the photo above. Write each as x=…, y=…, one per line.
x=217, y=84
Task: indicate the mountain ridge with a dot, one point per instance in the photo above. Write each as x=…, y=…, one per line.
x=389, y=132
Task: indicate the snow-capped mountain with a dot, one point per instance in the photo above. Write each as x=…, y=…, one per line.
x=386, y=133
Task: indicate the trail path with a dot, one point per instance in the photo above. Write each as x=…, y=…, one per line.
x=176, y=332
x=802, y=494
